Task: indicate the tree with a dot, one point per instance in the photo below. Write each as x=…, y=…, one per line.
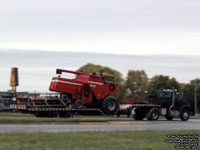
x=188, y=93
x=159, y=82
x=116, y=74
x=136, y=81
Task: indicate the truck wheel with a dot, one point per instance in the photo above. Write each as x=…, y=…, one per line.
x=139, y=116
x=109, y=105
x=168, y=117
x=185, y=114
x=78, y=104
x=154, y=115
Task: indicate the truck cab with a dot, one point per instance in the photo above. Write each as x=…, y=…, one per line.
x=173, y=101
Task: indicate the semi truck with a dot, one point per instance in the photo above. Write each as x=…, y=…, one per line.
x=94, y=94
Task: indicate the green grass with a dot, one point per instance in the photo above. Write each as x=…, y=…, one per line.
x=115, y=140
x=195, y=117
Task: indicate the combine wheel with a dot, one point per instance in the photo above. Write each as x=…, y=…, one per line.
x=65, y=98
x=78, y=104
x=109, y=105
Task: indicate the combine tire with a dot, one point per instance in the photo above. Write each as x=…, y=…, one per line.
x=109, y=105
x=78, y=104
x=65, y=98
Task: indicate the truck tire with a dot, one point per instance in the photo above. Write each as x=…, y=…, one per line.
x=185, y=115
x=168, y=117
x=139, y=116
x=109, y=105
x=154, y=115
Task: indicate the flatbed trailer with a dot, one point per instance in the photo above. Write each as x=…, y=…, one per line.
x=50, y=105
x=168, y=103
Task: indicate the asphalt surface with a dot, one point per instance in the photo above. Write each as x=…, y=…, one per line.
x=103, y=126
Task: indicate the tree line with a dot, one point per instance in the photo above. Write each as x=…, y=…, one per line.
x=137, y=82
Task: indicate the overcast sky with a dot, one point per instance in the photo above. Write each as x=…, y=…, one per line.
x=108, y=26
x=36, y=68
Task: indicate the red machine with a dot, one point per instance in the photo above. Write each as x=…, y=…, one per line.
x=86, y=90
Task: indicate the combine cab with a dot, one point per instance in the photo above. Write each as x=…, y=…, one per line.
x=93, y=90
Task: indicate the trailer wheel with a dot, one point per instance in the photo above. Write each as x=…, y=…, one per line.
x=68, y=115
x=154, y=115
x=109, y=105
x=185, y=115
x=56, y=114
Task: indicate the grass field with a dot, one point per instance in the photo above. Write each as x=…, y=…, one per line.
x=28, y=118
x=126, y=140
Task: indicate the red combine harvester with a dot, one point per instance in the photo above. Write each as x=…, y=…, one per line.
x=93, y=90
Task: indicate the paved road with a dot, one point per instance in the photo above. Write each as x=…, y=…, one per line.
x=103, y=126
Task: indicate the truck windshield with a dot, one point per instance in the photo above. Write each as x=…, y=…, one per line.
x=165, y=94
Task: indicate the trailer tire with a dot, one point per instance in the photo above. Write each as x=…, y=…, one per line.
x=153, y=115
x=109, y=105
x=185, y=115
x=68, y=115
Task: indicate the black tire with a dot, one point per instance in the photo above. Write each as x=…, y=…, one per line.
x=65, y=98
x=68, y=115
x=154, y=115
x=56, y=114
x=185, y=115
x=168, y=117
x=139, y=116
x=78, y=104
x=110, y=105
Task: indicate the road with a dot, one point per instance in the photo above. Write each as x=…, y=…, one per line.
x=103, y=126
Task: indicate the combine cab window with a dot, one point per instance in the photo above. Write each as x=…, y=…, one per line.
x=109, y=78
x=69, y=75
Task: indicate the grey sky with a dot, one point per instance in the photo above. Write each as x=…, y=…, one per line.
x=36, y=68
x=108, y=26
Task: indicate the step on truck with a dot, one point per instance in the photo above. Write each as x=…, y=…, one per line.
x=93, y=94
